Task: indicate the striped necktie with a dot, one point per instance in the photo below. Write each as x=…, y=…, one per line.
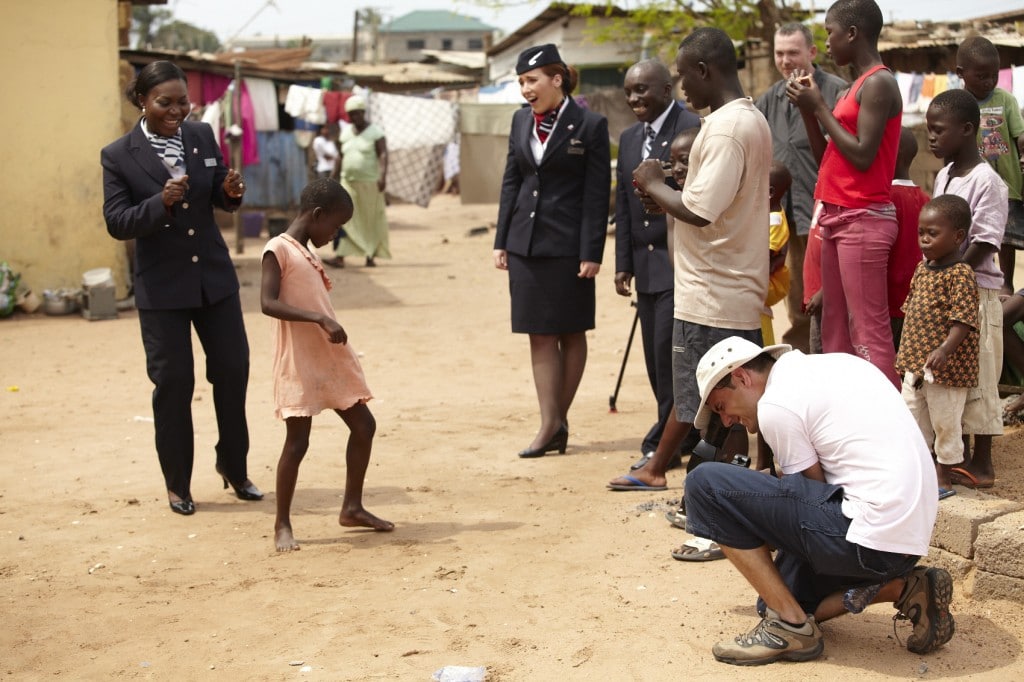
x=169, y=149
x=648, y=140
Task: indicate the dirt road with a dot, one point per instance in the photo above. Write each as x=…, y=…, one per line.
x=530, y=568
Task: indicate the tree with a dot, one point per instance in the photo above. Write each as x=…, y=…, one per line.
x=661, y=24
x=180, y=35
x=145, y=20
x=157, y=28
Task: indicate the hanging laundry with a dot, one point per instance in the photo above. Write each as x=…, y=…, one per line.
x=306, y=103
x=264, y=103
x=1005, y=80
x=417, y=131
x=1018, y=84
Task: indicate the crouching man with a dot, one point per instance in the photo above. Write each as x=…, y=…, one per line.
x=851, y=514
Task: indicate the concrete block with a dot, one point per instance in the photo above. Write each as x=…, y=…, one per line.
x=994, y=586
x=960, y=516
x=959, y=567
x=999, y=547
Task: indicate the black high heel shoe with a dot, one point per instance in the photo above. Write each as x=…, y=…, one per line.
x=183, y=507
x=246, y=491
x=559, y=442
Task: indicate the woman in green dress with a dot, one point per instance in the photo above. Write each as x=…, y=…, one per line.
x=363, y=166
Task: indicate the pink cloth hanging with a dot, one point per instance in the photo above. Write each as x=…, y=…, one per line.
x=1005, y=79
x=195, y=87
x=250, y=147
x=214, y=87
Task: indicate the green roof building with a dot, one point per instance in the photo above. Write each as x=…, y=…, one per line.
x=404, y=38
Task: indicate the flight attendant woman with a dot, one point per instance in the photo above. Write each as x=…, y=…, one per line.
x=161, y=183
x=552, y=222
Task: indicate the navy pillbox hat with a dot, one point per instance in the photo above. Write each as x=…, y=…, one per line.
x=534, y=57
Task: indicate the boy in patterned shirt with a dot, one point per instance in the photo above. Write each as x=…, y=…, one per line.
x=939, y=350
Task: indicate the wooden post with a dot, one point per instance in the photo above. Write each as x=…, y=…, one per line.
x=236, y=154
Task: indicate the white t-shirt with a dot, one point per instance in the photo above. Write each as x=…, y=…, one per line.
x=721, y=269
x=326, y=153
x=986, y=194
x=840, y=411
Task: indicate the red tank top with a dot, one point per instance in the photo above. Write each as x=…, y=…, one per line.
x=839, y=181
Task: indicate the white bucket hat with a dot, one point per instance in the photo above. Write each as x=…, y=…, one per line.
x=722, y=358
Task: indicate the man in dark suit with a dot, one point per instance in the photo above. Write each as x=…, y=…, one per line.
x=641, y=246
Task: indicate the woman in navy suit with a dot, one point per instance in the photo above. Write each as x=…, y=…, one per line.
x=160, y=184
x=552, y=222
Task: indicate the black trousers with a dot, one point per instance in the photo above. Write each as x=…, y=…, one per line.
x=656, y=312
x=167, y=338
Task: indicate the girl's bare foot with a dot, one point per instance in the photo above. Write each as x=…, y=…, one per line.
x=284, y=540
x=362, y=518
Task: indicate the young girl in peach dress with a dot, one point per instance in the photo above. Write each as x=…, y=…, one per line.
x=314, y=366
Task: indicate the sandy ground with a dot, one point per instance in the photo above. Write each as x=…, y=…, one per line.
x=530, y=568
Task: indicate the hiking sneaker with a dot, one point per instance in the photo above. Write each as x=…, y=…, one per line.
x=772, y=640
x=925, y=603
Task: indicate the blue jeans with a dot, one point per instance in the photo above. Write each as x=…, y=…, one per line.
x=799, y=517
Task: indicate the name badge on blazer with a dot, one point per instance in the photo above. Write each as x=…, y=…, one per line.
x=209, y=163
x=576, y=146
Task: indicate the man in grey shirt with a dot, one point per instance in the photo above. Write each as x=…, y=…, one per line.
x=794, y=49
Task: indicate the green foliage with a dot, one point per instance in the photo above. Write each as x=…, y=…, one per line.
x=662, y=24
x=179, y=35
x=146, y=19
x=156, y=27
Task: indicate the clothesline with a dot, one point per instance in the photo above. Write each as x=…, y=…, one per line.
x=918, y=89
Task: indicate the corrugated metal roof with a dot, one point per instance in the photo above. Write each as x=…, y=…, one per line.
x=282, y=64
x=462, y=58
x=287, y=65
x=400, y=74
x=434, y=20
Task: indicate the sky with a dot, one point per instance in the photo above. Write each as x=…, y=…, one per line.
x=246, y=18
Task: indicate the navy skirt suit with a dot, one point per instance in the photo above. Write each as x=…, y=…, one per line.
x=183, y=278
x=553, y=215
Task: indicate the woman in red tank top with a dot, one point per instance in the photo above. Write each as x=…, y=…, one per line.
x=857, y=164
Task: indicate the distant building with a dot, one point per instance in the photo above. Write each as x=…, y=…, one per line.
x=325, y=48
x=405, y=38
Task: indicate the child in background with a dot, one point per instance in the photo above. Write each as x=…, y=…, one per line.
x=952, y=119
x=906, y=252
x=314, y=366
x=1000, y=139
x=812, y=280
x=939, y=353
x=779, y=181
x=1013, y=353
x=674, y=435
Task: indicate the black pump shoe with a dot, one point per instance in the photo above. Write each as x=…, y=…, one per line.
x=246, y=491
x=559, y=442
x=183, y=507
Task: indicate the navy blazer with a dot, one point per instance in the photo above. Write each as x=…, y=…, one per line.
x=181, y=260
x=641, y=241
x=559, y=207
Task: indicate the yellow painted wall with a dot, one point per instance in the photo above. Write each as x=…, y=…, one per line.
x=59, y=61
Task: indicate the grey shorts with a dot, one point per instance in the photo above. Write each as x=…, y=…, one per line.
x=689, y=343
x=1014, y=235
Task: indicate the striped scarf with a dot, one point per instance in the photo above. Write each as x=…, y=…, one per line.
x=170, y=149
x=546, y=123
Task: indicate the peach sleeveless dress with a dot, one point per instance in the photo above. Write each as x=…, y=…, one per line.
x=311, y=374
